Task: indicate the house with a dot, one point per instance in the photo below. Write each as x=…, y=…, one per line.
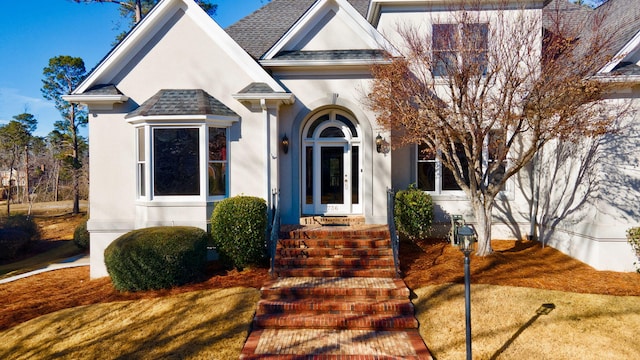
x=184, y=114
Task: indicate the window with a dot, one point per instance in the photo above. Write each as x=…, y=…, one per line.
x=432, y=176
x=142, y=191
x=171, y=161
x=459, y=46
x=176, y=160
x=217, y=162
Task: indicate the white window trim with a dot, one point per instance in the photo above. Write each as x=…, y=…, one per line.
x=203, y=142
x=457, y=194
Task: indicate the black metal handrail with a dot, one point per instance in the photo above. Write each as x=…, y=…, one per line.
x=395, y=241
x=274, y=232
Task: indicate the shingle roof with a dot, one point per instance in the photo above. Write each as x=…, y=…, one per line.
x=259, y=31
x=257, y=88
x=332, y=55
x=182, y=102
x=617, y=20
x=103, y=89
x=568, y=14
x=622, y=20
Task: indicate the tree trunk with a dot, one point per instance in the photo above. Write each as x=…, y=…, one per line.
x=138, y=11
x=26, y=174
x=56, y=183
x=482, y=214
x=76, y=162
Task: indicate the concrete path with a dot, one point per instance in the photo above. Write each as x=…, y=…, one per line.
x=78, y=260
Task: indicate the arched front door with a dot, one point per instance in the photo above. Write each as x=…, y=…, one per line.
x=331, y=163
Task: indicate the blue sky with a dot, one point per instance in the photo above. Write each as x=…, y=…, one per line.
x=33, y=31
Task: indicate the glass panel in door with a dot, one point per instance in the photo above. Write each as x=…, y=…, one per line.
x=333, y=178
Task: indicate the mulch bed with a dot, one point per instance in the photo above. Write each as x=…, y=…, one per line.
x=513, y=263
x=428, y=262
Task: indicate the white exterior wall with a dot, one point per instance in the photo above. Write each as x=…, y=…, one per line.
x=511, y=212
x=180, y=56
x=605, y=205
x=314, y=91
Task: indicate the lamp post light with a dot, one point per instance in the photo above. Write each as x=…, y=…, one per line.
x=466, y=240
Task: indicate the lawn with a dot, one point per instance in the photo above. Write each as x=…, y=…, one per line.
x=527, y=302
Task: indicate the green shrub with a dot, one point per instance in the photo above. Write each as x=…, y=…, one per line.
x=16, y=232
x=633, y=237
x=22, y=223
x=413, y=212
x=157, y=258
x=81, y=236
x=238, y=230
x=12, y=242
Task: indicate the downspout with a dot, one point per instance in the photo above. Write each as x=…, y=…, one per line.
x=267, y=170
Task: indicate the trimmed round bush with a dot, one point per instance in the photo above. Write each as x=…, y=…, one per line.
x=157, y=258
x=22, y=223
x=16, y=232
x=81, y=236
x=12, y=242
x=238, y=230
x=413, y=212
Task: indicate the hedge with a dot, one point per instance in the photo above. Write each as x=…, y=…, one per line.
x=413, y=212
x=157, y=258
x=238, y=230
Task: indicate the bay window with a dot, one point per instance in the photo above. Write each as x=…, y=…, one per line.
x=181, y=162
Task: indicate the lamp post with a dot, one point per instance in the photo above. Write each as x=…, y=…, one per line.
x=466, y=239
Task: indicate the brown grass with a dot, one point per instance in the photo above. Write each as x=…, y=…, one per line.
x=209, y=324
x=585, y=322
x=507, y=323
x=503, y=326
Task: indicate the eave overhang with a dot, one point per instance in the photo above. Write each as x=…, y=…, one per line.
x=375, y=7
x=96, y=102
x=321, y=63
x=215, y=120
x=264, y=100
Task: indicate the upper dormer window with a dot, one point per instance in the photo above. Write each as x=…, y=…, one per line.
x=459, y=48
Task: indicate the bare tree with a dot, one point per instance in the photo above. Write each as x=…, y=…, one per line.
x=485, y=93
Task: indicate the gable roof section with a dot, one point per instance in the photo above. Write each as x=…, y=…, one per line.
x=261, y=30
x=151, y=24
x=622, y=20
x=314, y=39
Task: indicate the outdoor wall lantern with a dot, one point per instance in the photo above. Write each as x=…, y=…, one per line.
x=379, y=143
x=466, y=241
x=285, y=144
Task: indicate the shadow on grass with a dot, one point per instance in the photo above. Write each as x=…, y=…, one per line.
x=194, y=325
x=544, y=309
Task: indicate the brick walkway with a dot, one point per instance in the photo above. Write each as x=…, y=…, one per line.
x=310, y=313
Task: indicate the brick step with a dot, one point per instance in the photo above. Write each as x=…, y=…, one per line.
x=354, y=289
x=387, y=272
x=327, y=357
x=320, y=305
x=336, y=321
x=337, y=243
x=334, y=262
x=333, y=252
x=324, y=233
x=320, y=344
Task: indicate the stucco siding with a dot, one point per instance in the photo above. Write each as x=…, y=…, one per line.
x=315, y=91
